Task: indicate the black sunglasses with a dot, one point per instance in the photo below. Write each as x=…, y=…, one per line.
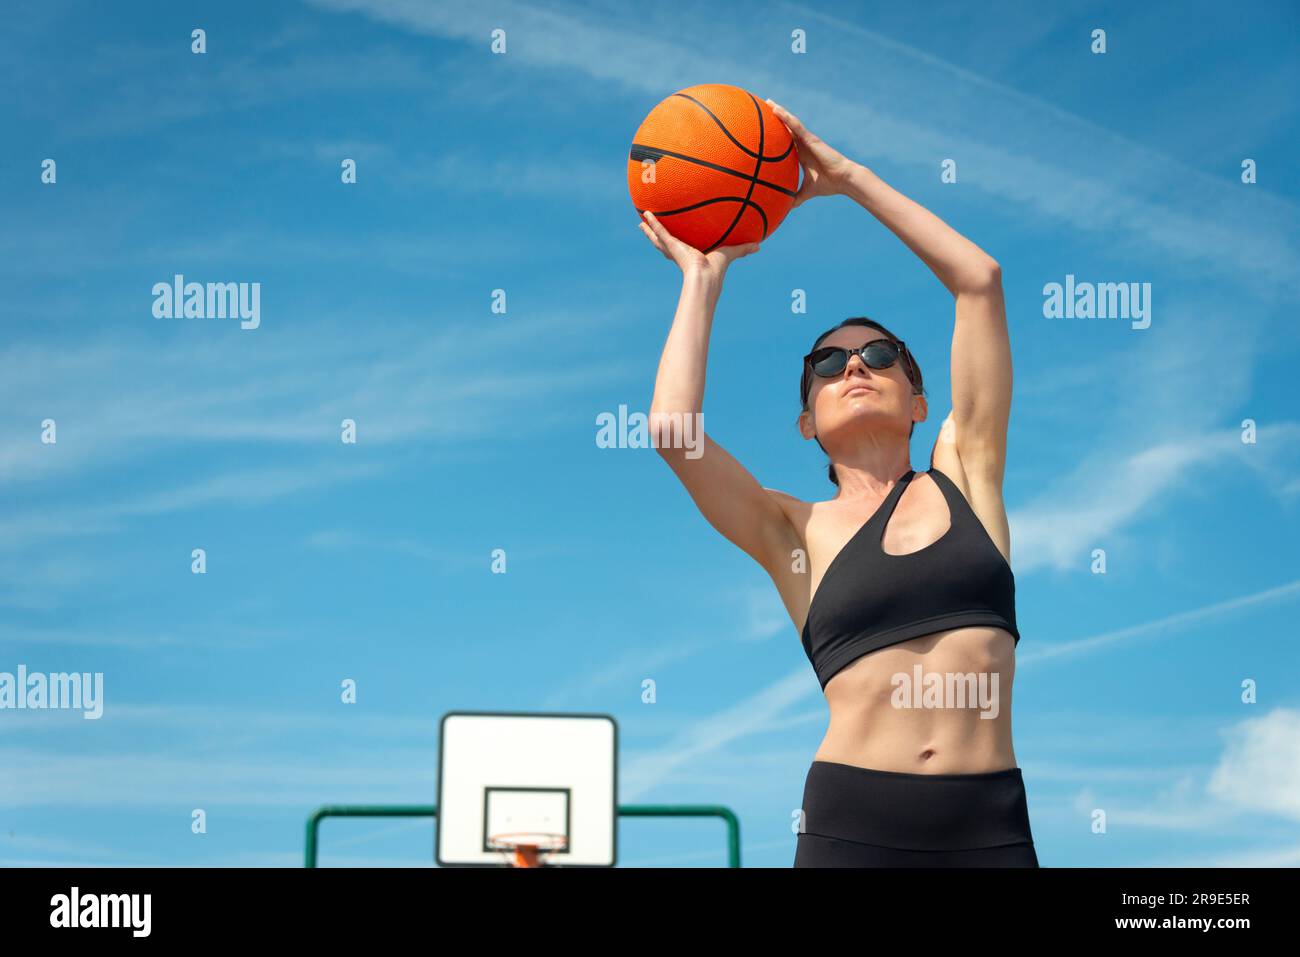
x=830, y=361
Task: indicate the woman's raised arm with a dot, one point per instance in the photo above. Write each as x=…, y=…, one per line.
x=981, y=349
x=729, y=497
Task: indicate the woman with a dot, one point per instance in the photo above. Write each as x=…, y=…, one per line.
x=901, y=585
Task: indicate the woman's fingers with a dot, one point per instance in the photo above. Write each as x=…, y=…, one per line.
x=657, y=226
x=671, y=246
x=789, y=119
x=665, y=238
x=824, y=168
x=654, y=239
x=681, y=253
x=738, y=251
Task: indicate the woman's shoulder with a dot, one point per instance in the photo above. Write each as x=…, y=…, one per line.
x=808, y=518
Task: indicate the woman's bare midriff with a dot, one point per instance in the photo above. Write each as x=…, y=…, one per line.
x=875, y=723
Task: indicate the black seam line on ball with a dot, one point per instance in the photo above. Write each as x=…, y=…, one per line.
x=758, y=164
x=744, y=149
x=719, y=199
x=640, y=153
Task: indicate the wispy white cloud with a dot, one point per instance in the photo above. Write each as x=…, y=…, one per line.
x=1287, y=855
x=1260, y=767
x=878, y=99
x=337, y=538
x=575, y=175
x=125, y=779
x=455, y=169
x=17, y=843
x=405, y=388
x=189, y=636
x=47, y=247
x=139, y=87
x=213, y=756
x=1257, y=775
x=244, y=488
x=628, y=668
x=217, y=722
x=1096, y=504
x=644, y=771
x=1160, y=627
x=762, y=614
x=398, y=381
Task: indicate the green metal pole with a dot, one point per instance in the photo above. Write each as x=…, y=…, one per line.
x=431, y=810
x=359, y=810
x=693, y=810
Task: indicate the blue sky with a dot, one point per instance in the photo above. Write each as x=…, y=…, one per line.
x=476, y=430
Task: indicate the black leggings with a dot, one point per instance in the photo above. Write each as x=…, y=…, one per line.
x=862, y=817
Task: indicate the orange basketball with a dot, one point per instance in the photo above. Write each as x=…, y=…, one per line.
x=715, y=166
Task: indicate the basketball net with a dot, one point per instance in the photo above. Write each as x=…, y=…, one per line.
x=524, y=849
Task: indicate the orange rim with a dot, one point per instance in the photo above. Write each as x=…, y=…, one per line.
x=526, y=852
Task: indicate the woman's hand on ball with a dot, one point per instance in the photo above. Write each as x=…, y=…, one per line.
x=686, y=256
x=825, y=170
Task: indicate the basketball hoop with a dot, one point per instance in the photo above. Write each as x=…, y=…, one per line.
x=522, y=848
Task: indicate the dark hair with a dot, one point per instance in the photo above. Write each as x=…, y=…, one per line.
x=912, y=370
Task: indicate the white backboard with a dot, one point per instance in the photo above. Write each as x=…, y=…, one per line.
x=533, y=772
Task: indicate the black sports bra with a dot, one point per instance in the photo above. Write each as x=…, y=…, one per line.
x=869, y=598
